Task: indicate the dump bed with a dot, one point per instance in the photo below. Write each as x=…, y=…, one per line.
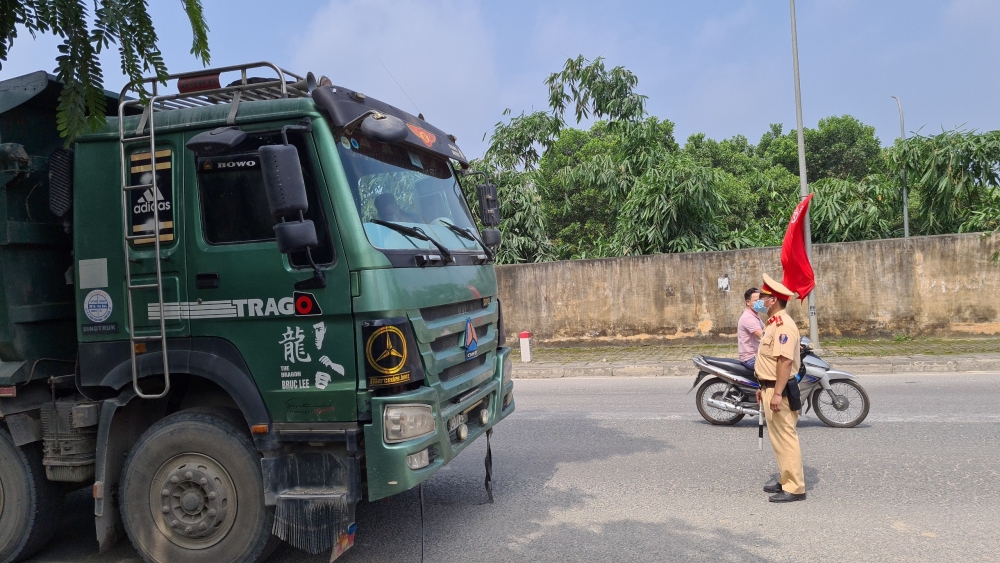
x=37, y=310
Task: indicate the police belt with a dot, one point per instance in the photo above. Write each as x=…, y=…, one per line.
x=791, y=391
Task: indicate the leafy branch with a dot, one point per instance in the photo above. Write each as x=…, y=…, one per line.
x=124, y=23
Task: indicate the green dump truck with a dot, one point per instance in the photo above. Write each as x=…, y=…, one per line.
x=236, y=311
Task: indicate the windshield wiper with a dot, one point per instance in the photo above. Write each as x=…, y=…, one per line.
x=467, y=234
x=417, y=233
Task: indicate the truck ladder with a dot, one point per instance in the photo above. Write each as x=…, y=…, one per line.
x=125, y=138
x=278, y=88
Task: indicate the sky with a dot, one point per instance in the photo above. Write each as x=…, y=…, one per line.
x=721, y=67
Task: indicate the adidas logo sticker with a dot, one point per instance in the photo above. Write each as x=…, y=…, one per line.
x=146, y=202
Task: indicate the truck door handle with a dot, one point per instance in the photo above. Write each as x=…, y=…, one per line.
x=207, y=281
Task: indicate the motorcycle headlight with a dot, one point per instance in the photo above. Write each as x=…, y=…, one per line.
x=406, y=422
x=508, y=370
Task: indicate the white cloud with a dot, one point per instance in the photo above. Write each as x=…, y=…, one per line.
x=439, y=51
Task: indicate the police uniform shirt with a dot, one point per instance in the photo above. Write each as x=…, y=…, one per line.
x=780, y=339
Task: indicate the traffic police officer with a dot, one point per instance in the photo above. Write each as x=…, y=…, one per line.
x=777, y=361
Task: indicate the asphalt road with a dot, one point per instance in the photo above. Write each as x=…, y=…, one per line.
x=626, y=470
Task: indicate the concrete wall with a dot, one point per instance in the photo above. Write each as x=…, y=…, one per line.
x=943, y=285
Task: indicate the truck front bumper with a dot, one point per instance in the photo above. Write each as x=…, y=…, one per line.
x=388, y=473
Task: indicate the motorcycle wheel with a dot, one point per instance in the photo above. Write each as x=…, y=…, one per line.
x=851, y=414
x=715, y=388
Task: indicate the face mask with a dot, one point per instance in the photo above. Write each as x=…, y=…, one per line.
x=758, y=306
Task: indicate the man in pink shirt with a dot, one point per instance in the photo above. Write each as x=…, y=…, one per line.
x=750, y=328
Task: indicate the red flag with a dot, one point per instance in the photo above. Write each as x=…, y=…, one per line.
x=799, y=275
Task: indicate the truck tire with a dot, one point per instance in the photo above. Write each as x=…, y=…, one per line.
x=191, y=491
x=29, y=503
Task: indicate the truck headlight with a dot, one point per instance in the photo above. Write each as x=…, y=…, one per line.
x=406, y=422
x=508, y=370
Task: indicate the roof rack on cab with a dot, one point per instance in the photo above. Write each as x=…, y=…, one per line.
x=202, y=88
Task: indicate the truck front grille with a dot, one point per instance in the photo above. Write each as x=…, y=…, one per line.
x=462, y=368
x=452, y=340
x=451, y=309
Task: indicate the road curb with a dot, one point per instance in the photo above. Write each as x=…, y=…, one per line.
x=944, y=364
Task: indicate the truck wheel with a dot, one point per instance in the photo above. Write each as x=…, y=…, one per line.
x=29, y=503
x=192, y=491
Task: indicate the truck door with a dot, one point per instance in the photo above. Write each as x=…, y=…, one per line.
x=142, y=255
x=299, y=346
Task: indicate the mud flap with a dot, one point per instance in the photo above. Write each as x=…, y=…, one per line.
x=119, y=427
x=312, y=522
x=314, y=495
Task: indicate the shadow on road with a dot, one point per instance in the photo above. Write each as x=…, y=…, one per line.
x=534, y=519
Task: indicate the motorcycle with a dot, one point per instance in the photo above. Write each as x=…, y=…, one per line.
x=837, y=397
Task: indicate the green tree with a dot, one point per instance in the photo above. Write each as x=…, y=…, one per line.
x=759, y=194
x=124, y=23
x=517, y=147
x=845, y=210
x=954, y=174
x=840, y=147
x=521, y=219
x=585, y=176
x=673, y=207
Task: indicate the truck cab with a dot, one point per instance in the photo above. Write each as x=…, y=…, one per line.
x=283, y=261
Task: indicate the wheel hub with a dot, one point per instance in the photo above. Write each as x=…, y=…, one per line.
x=194, y=497
x=841, y=403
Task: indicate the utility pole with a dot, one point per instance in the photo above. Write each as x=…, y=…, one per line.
x=906, y=206
x=803, y=182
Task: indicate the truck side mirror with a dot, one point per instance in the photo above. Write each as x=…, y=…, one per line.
x=489, y=205
x=286, y=197
x=491, y=238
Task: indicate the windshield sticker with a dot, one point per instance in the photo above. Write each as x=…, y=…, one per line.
x=346, y=143
x=319, y=331
x=295, y=350
x=354, y=143
x=415, y=160
x=98, y=306
x=158, y=199
x=426, y=136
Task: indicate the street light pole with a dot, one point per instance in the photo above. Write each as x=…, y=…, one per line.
x=803, y=182
x=906, y=207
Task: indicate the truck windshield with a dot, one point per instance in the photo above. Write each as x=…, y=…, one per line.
x=396, y=184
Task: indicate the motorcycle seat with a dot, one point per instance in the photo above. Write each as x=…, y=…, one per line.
x=732, y=366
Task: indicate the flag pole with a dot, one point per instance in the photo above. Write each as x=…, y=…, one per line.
x=803, y=182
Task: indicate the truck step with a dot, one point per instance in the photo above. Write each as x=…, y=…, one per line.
x=149, y=338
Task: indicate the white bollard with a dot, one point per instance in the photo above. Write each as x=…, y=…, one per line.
x=525, y=346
